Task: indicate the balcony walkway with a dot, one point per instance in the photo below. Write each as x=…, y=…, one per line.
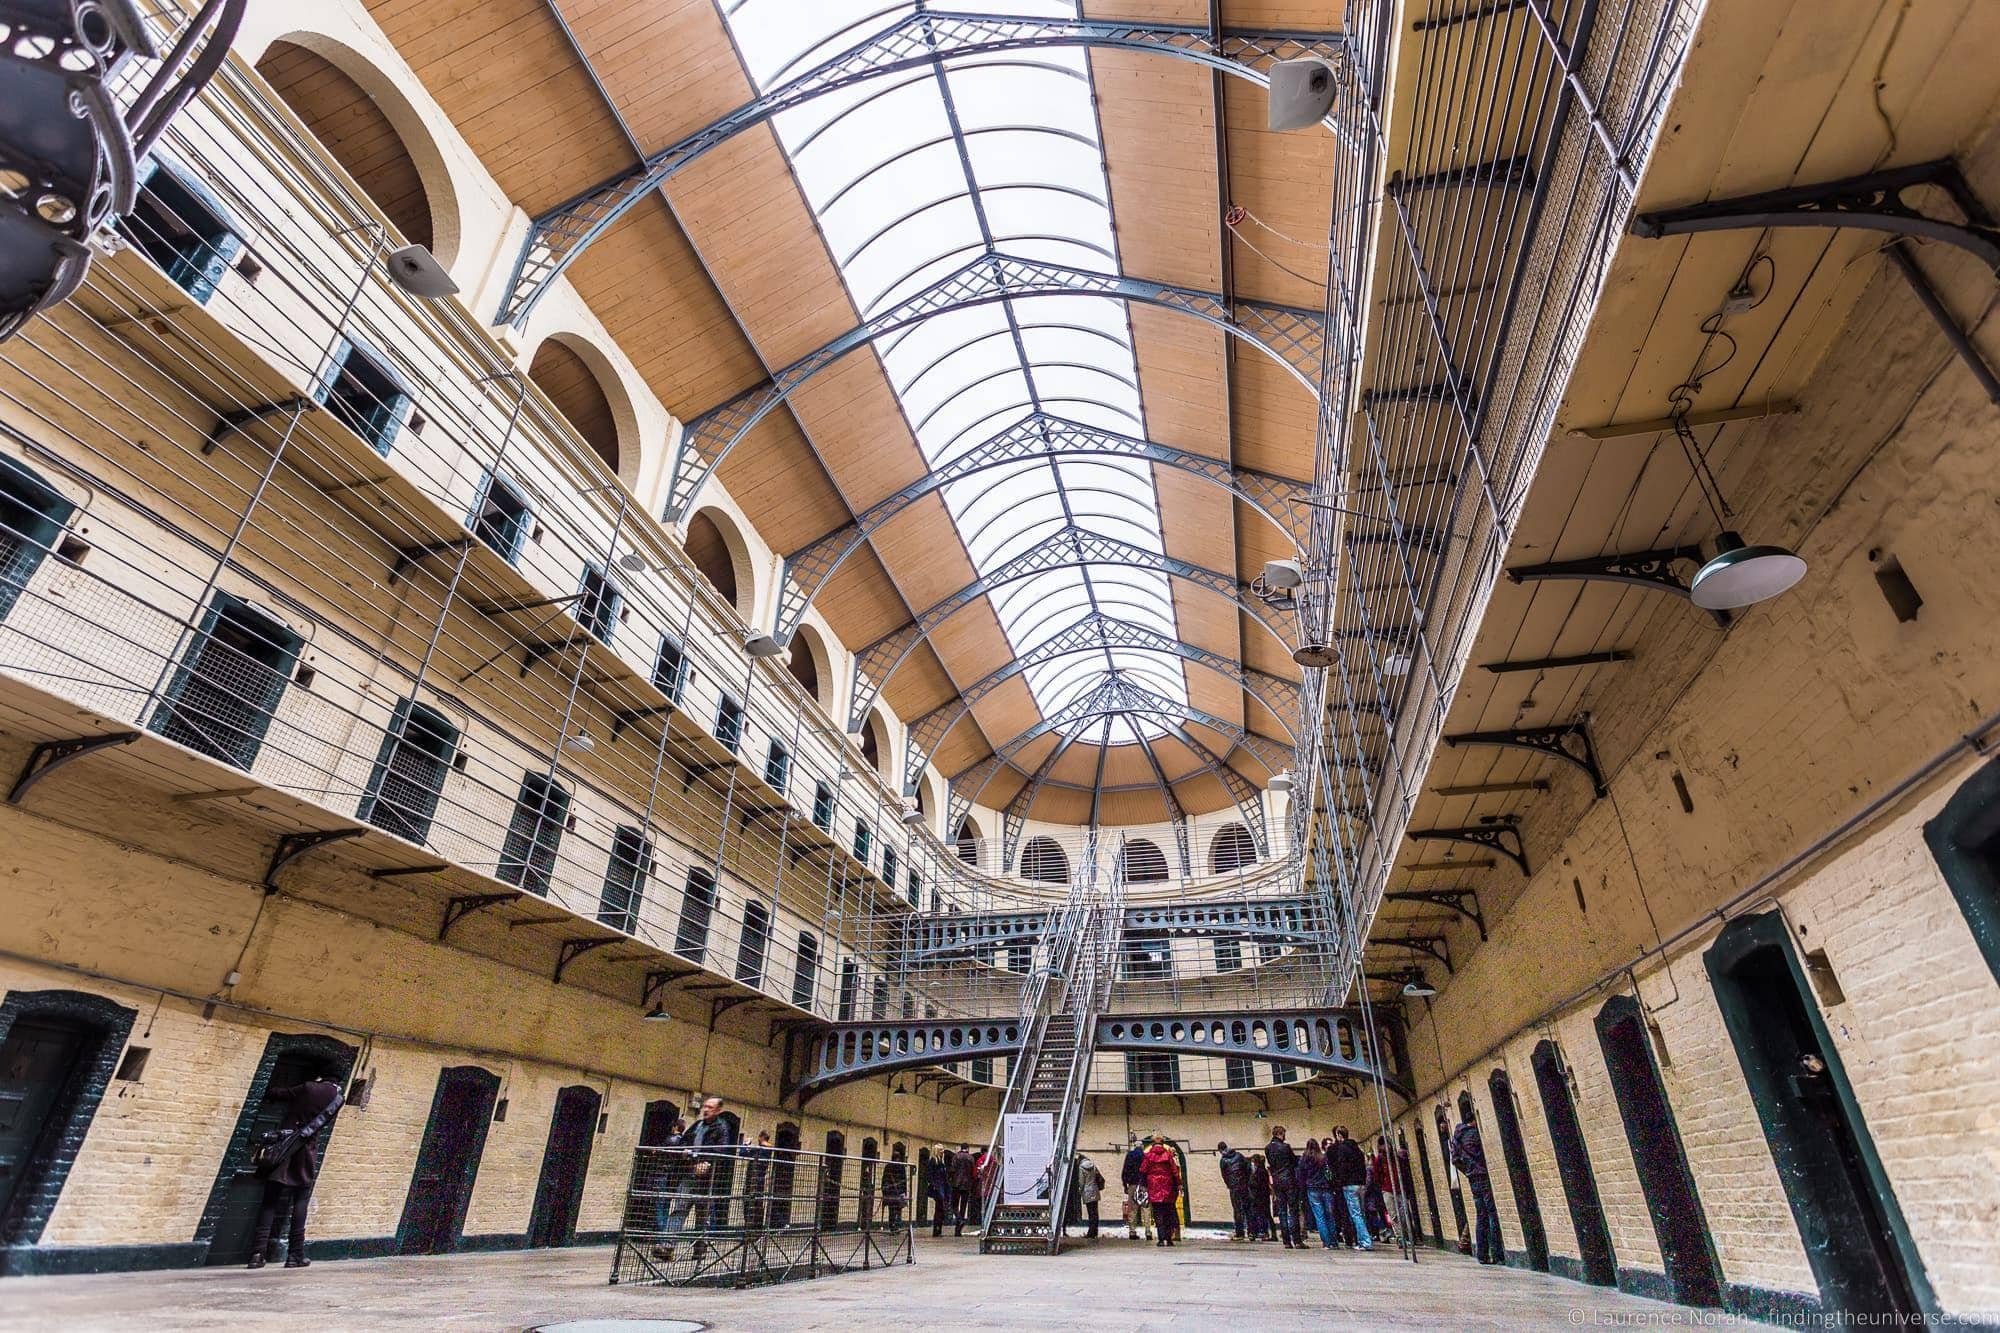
x=1206, y=1284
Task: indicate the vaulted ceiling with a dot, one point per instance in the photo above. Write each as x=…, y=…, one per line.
x=793, y=231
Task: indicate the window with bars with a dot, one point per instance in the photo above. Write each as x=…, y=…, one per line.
x=915, y=888
x=729, y=723
x=850, y=991
x=1284, y=1073
x=778, y=766
x=1044, y=861
x=501, y=519
x=229, y=682
x=823, y=807
x=599, y=600
x=528, y=852
x=980, y=1067
x=1228, y=954
x=864, y=841
x=890, y=865
x=1152, y=1071
x=878, y=1000
x=403, y=791
x=805, y=972
x=754, y=945
x=1148, y=956
x=32, y=516
x=1231, y=850
x=625, y=879
x=1238, y=1072
x=183, y=228
x=670, y=669
x=697, y=910
x=364, y=395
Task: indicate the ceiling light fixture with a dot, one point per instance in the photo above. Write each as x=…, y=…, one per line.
x=1396, y=664
x=1318, y=656
x=417, y=271
x=581, y=743
x=1740, y=575
x=1281, y=781
x=763, y=645
x=1419, y=989
x=658, y=1014
x=1283, y=574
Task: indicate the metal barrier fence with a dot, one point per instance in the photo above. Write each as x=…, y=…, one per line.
x=744, y=1216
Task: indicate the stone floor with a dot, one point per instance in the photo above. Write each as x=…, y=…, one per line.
x=1113, y=1284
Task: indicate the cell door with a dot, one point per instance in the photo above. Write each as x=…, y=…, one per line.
x=1847, y=1215
x=1664, y=1178
x=1586, y=1209
x=1519, y=1176
x=38, y=1061
x=238, y=1193
x=1443, y=1123
x=448, y=1161
x=565, y=1162
x=784, y=1175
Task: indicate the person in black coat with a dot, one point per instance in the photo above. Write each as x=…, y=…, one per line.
x=1286, y=1196
x=1349, y=1166
x=964, y=1182
x=937, y=1185
x=1468, y=1154
x=714, y=1138
x=290, y=1166
x=1236, y=1179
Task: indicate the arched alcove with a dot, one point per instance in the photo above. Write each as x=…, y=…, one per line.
x=811, y=665
x=966, y=842
x=1231, y=849
x=1044, y=861
x=875, y=744
x=1141, y=861
x=718, y=551
x=376, y=135
x=561, y=372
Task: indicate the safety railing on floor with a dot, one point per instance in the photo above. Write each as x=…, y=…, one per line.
x=748, y=1215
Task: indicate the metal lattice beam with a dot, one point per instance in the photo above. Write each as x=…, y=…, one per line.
x=1292, y=337
x=1093, y=633
x=919, y=39
x=1069, y=548
x=1040, y=436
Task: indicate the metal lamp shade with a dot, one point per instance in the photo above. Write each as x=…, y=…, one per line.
x=1739, y=575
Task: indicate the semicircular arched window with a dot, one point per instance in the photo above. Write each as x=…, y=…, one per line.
x=1141, y=861
x=1231, y=850
x=1043, y=861
x=967, y=843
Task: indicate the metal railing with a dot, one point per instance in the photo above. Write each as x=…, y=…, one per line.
x=748, y=1215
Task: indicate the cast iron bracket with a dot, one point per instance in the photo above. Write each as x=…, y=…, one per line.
x=531, y=653
x=407, y=557
x=659, y=979
x=575, y=948
x=1873, y=201
x=458, y=909
x=1493, y=837
x=1432, y=946
x=294, y=845
x=1570, y=743
x=1455, y=899
x=1642, y=569
x=628, y=716
x=238, y=418
x=49, y=756
x=718, y=1007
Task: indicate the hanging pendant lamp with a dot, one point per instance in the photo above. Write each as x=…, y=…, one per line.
x=1740, y=575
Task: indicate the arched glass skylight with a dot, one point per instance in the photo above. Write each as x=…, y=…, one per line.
x=912, y=175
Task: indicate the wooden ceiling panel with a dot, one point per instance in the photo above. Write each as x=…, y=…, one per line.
x=858, y=427
x=1155, y=11
x=1279, y=251
x=1274, y=418
x=919, y=685
x=667, y=64
x=645, y=282
x=921, y=549
x=1139, y=806
x=1127, y=766
x=743, y=211
x=1008, y=709
x=1200, y=794
x=1214, y=694
x=1285, y=15
x=773, y=476
x=972, y=643
x=859, y=602
x=1197, y=521
x=1078, y=765
x=1158, y=121
x=508, y=79
x=1183, y=375
x=1058, y=805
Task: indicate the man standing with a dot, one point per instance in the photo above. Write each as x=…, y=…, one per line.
x=1236, y=1179
x=964, y=1181
x=1350, y=1176
x=1285, y=1194
x=1469, y=1156
x=1132, y=1179
x=713, y=1140
x=937, y=1185
x=756, y=1174
x=290, y=1166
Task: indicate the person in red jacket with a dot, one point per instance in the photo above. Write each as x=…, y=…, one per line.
x=1162, y=1173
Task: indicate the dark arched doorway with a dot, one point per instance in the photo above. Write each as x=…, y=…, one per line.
x=565, y=1163
x=58, y=1050
x=1847, y=1215
x=448, y=1161
x=1586, y=1209
x=1507, y=1121
x=709, y=550
x=1664, y=1178
x=829, y=1179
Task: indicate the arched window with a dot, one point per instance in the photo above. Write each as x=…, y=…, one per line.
x=712, y=552
x=875, y=744
x=1141, y=861
x=1043, y=860
x=1231, y=850
x=967, y=842
x=805, y=972
x=810, y=665
x=578, y=394
x=352, y=127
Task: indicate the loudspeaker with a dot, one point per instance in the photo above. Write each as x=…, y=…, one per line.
x=1301, y=92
